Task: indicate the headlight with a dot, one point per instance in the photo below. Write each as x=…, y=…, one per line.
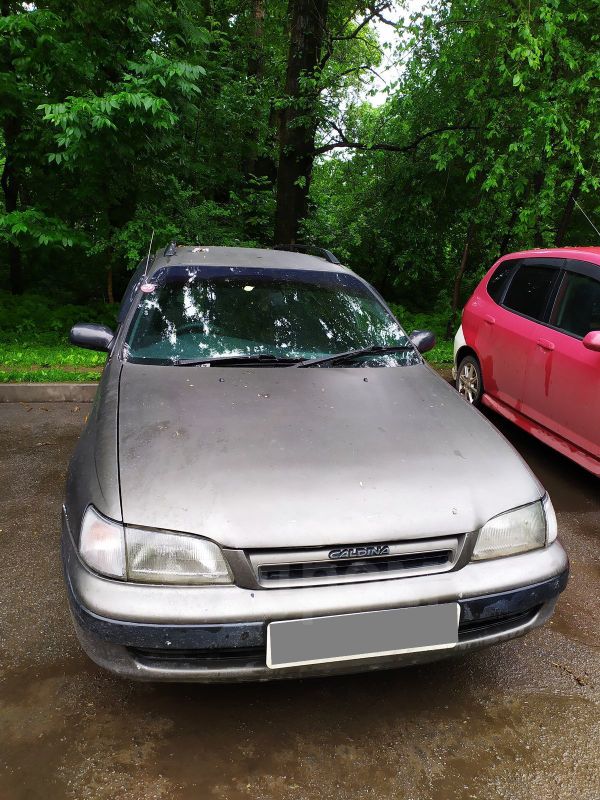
x=149, y=556
x=157, y=557
x=525, y=528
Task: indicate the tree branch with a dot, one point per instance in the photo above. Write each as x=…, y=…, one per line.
x=374, y=13
x=385, y=21
x=386, y=146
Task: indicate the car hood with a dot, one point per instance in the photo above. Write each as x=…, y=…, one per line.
x=284, y=457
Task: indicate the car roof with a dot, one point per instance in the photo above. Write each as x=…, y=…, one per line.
x=578, y=253
x=240, y=257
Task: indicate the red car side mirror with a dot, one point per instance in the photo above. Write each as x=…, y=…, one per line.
x=592, y=341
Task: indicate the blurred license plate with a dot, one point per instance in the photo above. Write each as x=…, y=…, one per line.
x=368, y=634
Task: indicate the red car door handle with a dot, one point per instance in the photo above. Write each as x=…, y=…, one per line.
x=489, y=319
x=545, y=344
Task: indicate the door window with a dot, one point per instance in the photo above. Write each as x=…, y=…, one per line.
x=530, y=290
x=577, y=310
x=498, y=281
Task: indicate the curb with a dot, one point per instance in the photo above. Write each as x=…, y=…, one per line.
x=47, y=392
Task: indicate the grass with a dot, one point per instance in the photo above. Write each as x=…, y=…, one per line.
x=29, y=361
x=34, y=344
x=52, y=375
x=28, y=354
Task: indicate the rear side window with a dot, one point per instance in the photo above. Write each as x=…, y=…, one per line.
x=577, y=310
x=497, y=283
x=530, y=290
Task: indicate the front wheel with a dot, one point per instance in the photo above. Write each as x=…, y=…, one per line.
x=468, y=380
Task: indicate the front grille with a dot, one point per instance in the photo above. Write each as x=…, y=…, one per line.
x=341, y=569
x=313, y=567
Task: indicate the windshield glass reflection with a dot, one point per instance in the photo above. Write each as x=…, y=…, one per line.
x=289, y=315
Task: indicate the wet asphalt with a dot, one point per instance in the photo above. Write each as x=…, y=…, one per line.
x=515, y=722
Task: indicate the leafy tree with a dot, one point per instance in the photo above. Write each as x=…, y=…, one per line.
x=222, y=121
x=484, y=145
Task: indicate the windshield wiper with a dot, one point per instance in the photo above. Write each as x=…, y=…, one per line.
x=349, y=355
x=257, y=358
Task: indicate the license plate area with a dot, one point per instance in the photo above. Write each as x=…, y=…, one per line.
x=367, y=634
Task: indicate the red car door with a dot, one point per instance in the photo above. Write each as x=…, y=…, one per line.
x=509, y=328
x=562, y=385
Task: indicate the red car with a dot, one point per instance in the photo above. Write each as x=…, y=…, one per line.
x=529, y=347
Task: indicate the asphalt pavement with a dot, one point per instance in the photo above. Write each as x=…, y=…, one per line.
x=520, y=721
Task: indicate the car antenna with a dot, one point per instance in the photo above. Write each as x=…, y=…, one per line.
x=585, y=215
x=145, y=286
x=148, y=257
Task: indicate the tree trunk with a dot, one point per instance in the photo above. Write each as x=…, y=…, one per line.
x=458, y=280
x=298, y=122
x=563, y=225
x=10, y=176
x=538, y=182
x=10, y=187
x=109, y=286
x=256, y=63
x=254, y=164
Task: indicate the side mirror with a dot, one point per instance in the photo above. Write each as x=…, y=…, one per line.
x=91, y=336
x=423, y=340
x=592, y=341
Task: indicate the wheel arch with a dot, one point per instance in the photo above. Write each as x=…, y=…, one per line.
x=463, y=351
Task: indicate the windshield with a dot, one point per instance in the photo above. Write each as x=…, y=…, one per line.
x=189, y=314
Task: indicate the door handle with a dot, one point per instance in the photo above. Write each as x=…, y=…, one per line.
x=489, y=319
x=545, y=344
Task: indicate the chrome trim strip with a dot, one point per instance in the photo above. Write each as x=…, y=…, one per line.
x=273, y=558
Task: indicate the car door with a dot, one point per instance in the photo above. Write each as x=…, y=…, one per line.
x=562, y=386
x=511, y=325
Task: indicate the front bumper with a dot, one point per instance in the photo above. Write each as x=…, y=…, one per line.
x=210, y=634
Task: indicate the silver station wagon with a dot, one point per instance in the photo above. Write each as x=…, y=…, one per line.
x=272, y=483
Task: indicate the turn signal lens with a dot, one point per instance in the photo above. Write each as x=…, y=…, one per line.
x=514, y=532
x=551, y=524
x=102, y=544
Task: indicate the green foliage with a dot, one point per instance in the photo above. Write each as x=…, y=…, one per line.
x=44, y=321
x=34, y=343
x=517, y=83
x=442, y=353
x=32, y=227
x=119, y=119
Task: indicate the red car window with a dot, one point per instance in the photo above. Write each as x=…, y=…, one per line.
x=530, y=289
x=578, y=309
x=498, y=281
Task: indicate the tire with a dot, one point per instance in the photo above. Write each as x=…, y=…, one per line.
x=469, y=383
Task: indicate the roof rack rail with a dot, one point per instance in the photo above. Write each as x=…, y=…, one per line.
x=171, y=249
x=309, y=249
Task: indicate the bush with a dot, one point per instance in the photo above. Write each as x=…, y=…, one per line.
x=34, y=339
x=31, y=318
x=442, y=353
